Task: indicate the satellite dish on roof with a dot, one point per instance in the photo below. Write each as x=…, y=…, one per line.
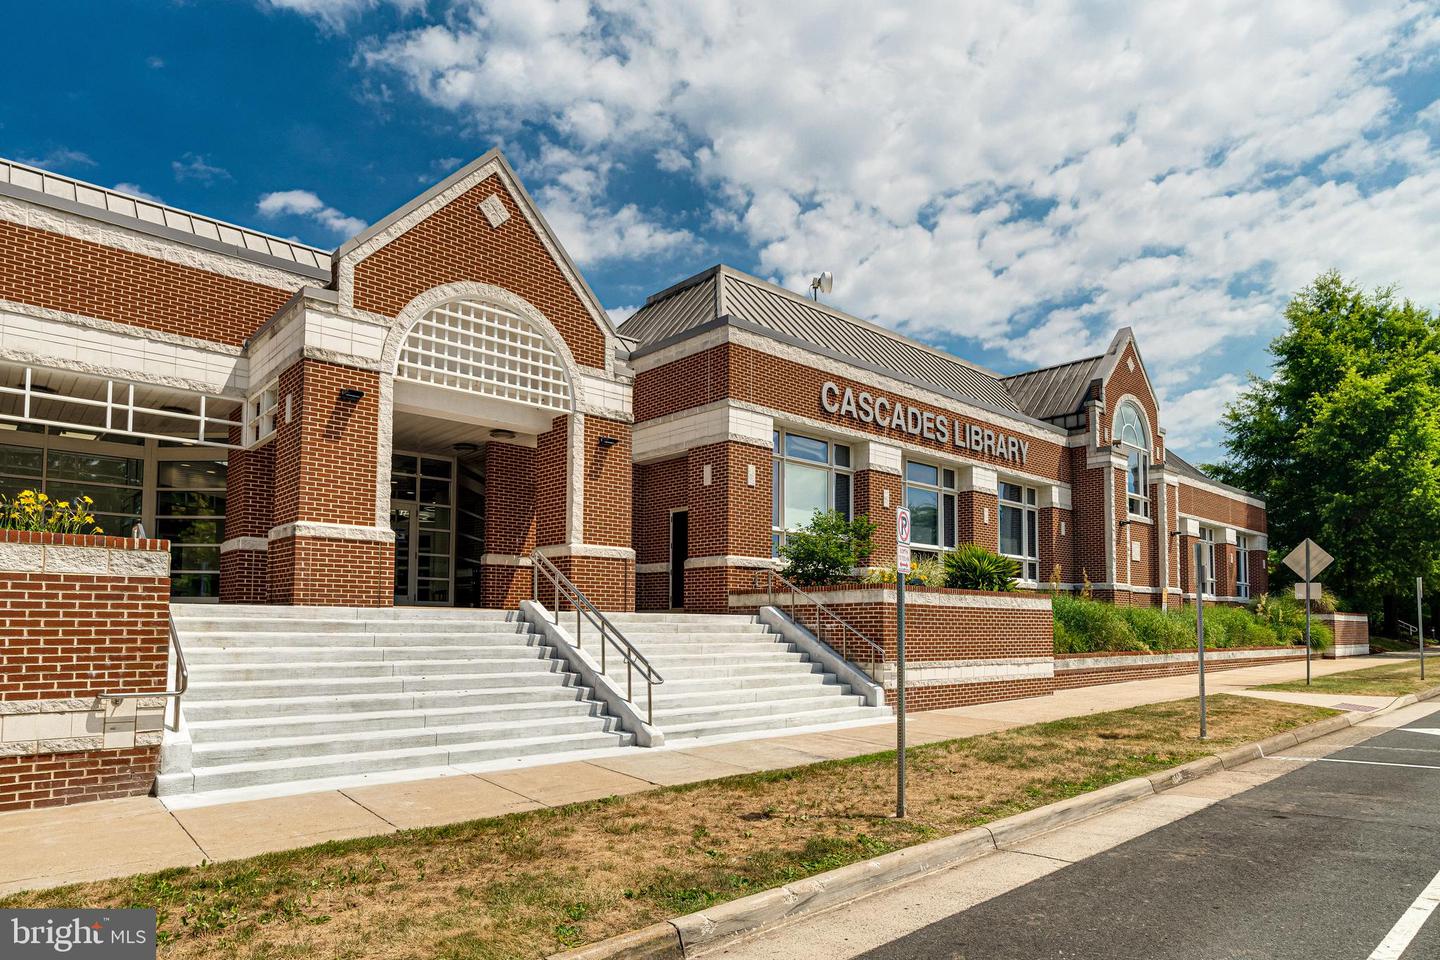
x=822, y=284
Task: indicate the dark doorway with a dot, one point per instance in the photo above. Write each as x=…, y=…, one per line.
x=679, y=550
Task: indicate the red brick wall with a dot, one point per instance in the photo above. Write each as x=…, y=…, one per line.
x=1125, y=381
x=75, y=635
x=552, y=483
x=325, y=457
x=869, y=500
x=659, y=489
x=753, y=376
x=57, y=779
x=457, y=243
x=608, y=493
x=322, y=572
x=1195, y=502
x=729, y=517
x=79, y=276
x=971, y=507
x=1087, y=501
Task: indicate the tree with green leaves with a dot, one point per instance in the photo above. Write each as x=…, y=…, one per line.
x=1343, y=441
x=827, y=549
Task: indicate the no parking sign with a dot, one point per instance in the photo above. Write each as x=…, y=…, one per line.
x=902, y=540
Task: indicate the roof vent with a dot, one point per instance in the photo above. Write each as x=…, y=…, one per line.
x=494, y=210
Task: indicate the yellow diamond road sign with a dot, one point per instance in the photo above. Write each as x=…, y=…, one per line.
x=1319, y=559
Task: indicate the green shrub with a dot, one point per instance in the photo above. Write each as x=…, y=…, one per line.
x=827, y=549
x=1090, y=626
x=1158, y=630
x=972, y=567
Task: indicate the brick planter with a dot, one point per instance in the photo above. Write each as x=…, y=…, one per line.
x=80, y=615
x=1089, y=669
x=1352, y=634
x=961, y=646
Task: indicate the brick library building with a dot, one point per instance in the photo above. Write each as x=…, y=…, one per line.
x=409, y=418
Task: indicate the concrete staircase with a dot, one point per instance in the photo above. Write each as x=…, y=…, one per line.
x=728, y=674
x=280, y=694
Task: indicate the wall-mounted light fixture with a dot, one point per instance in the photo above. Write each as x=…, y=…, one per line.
x=352, y=395
x=607, y=442
x=502, y=434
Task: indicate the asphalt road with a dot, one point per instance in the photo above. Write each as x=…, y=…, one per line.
x=1319, y=863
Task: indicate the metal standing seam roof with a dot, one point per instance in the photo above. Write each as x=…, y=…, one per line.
x=149, y=215
x=1053, y=391
x=723, y=291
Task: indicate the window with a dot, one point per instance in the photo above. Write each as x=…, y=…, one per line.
x=1242, y=565
x=190, y=513
x=930, y=498
x=1135, y=438
x=1207, y=538
x=1019, y=528
x=808, y=476
x=260, y=414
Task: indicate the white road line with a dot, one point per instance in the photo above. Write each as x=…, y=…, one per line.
x=1363, y=763
x=1409, y=923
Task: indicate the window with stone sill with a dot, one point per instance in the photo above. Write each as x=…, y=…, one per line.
x=809, y=475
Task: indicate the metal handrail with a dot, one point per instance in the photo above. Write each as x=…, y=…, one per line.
x=609, y=633
x=877, y=652
x=182, y=680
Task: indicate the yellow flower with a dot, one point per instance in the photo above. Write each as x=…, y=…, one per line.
x=98, y=530
x=63, y=504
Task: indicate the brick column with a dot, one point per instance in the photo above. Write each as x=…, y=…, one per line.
x=871, y=487
x=509, y=524
x=325, y=546
x=978, y=507
x=729, y=521
x=249, y=495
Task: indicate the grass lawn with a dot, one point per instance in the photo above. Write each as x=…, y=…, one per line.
x=1402, y=645
x=528, y=884
x=1387, y=680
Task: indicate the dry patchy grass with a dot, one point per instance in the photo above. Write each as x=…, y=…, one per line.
x=528, y=884
x=1387, y=680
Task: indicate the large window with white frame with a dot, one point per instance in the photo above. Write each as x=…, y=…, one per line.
x=930, y=498
x=1134, y=438
x=1020, y=527
x=808, y=476
x=1242, y=565
x=1207, y=540
x=260, y=413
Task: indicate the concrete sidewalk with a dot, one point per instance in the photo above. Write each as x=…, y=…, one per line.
x=111, y=838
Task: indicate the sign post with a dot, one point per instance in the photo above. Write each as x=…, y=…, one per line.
x=1420, y=621
x=902, y=572
x=1308, y=560
x=1200, y=575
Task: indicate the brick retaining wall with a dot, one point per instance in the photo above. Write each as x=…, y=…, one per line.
x=1352, y=634
x=80, y=615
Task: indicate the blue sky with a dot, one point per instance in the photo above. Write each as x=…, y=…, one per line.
x=1011, y=183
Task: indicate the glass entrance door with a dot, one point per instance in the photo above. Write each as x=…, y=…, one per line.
x=422, y=514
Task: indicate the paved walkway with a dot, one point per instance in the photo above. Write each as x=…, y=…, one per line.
x=111, y=838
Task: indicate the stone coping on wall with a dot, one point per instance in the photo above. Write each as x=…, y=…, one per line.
x=23, y=551
x=887, y=594
x=1111, y=659
x=72, y=724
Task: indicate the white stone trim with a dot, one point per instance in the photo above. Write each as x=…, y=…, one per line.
x=662, y=567
x=886, y=595
x=879, y=457
x=732, y=560
x=332, y=531
x=1179, y=656
x=245, y=543
x=72, y=724
x=929, y=673
x=504, y=560
x=575, y=478
x=586, y=550
x=719, y=422
x=58, y=558
x=79, y=227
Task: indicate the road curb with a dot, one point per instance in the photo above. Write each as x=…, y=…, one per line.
x=681, y=936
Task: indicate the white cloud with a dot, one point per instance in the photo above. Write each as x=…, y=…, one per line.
x=135, y=190
x=60, y=158
x=336, y=14
x=619, y=315
x=194, y=166
x=1028, y=175
x=303, y=203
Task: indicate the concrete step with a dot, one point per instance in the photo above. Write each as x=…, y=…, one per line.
x=486, y=673
x=669, y=717
x=666, y=616
x=220, y=753
x=234, y=640
x=188, y=612
x=233, y=656
x=256, y=773
x=514, y=692
x=721, y=727
x=661, y=650
x=302, y=725
x=738, y=683
x=336, y=670
x=667, y=698
x=721, y=669
x=633, y=629
x=197, y=628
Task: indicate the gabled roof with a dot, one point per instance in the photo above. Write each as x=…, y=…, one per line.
x=724, y=293
x=1054, y=391
x=34, y=185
